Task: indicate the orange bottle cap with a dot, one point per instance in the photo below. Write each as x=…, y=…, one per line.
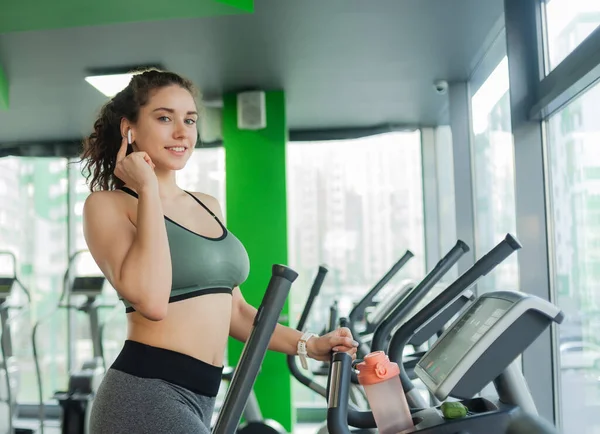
x=376, y=368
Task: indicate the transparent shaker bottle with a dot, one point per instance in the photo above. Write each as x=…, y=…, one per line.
x=380, y=379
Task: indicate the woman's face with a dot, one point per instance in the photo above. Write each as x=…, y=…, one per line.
x=166, y=128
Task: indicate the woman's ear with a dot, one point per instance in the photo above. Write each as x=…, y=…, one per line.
x=127, y=131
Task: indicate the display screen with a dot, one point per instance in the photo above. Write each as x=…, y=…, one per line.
x=88, y=283
x=6, y=284
x=459, y=340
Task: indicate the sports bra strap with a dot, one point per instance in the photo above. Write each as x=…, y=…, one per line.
x=203, y=206
x=129, y=191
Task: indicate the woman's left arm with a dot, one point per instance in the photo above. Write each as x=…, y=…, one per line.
x=285, y=339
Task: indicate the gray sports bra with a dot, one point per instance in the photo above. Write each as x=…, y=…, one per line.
x=202, y=265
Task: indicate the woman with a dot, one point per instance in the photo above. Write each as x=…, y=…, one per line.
x=174, y=264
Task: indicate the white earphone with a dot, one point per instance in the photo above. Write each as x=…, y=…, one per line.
x=129, y=137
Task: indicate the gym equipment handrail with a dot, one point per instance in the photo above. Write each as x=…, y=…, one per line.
x=482, y=267
x=358, y=311
x=291, y=360
x=384, y=330
x=255, y=349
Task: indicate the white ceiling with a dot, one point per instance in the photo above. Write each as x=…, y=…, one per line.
x=342, y=63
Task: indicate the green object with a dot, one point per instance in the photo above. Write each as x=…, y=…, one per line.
x=257, y=213
x=43, y=15
x=197, y=260
x=4, y=95
x=453, y=410
x=245, y=5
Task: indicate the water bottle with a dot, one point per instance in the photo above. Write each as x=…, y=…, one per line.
x=380, y=379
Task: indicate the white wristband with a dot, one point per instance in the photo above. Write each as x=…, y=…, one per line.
x=302, y=352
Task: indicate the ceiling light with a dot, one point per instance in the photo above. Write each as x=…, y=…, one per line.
x=111, y=81
x=109, y=85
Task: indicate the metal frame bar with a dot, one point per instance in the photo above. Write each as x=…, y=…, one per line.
x=431, y=215
x=579, y=71
x=460, y=123
x=446, y=204
x=71, y=148
x=524, y=43
x=71, y=249
x=60, y=148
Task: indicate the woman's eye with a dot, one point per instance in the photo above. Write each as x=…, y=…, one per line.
x=164, y=118
x=190, y=121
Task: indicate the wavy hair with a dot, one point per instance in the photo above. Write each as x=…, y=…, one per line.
x=101, y=146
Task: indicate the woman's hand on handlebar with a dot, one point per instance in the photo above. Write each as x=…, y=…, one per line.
x=339, y=341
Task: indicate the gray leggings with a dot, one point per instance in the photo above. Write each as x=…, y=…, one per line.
x=131, y=405
x=133, y=398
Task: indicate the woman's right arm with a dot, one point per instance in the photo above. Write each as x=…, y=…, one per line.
x=137, y=262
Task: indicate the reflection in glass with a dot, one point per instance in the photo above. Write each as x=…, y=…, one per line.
x=205, y=173
x=356, y=206
x=33, y=224
x=494, y=181
x=574, y=172
x=568, y=23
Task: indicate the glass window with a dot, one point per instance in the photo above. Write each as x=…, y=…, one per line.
x=568, y=23
x=356, y=206
x=493, y=180
x=111, y=317
x=574, y=189
x=205, y=172
x=34, y=227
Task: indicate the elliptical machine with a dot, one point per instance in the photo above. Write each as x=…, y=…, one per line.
x=408, y=298
x=480, y=347
x=9, y=370
x=76, y=401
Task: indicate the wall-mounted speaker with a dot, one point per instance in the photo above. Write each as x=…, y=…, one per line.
x=251, y=110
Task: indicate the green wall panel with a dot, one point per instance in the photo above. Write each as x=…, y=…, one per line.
x=4, y=94
x=245, y=5
x=257, y=214
x=43, y=15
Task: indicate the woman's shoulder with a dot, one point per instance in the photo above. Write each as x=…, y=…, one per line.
x=210, y=201
x=104, y=201
x=108, y=195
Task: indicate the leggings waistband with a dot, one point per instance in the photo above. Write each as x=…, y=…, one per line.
x=146, y=361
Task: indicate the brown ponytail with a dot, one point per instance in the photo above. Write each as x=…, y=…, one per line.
x=101, y=146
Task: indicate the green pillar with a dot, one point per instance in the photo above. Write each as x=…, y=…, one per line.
x=4, y=100
x=256, y=213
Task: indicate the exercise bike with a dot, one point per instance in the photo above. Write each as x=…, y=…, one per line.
x=9, y=369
